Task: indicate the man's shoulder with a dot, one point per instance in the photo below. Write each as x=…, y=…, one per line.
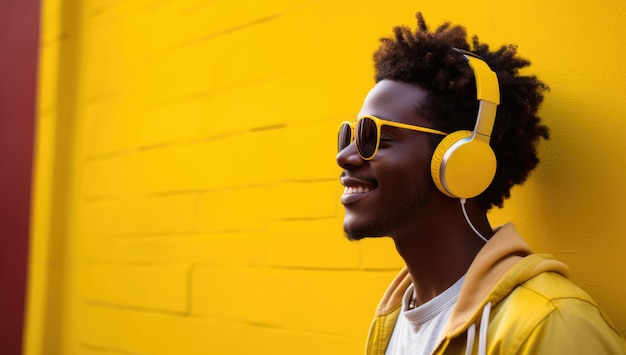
x=546, y=293
x=551, y=304
x=530, y=302
x=551, y=286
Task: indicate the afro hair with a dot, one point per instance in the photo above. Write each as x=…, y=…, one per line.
x=427, y=59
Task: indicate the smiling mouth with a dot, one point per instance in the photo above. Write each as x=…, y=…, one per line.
x=352, y=194
x=356, y=187
x=351, y=190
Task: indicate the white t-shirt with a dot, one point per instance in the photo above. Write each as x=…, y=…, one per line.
x=418, y=330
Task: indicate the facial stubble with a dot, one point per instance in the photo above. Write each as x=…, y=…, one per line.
x=405, y=207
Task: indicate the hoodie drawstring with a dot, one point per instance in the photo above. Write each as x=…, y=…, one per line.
x=484, y=324
x=471, y=332
x=482, y=336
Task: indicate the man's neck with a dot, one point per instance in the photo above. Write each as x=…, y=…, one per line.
x=437, y=254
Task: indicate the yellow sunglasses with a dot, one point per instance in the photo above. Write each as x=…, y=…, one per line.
x=366, y=131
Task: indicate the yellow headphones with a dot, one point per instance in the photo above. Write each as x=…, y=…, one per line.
x=463, y=164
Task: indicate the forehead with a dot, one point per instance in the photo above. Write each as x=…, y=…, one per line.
x=394, y=101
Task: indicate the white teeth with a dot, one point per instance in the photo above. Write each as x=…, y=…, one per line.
x=349, y=190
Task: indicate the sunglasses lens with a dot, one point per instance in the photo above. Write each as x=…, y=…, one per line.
x=366, y=137
x=345, y=136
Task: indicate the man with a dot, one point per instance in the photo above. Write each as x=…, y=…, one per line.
x=425, y=160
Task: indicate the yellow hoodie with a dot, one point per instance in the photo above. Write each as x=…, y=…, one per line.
x=522, y=303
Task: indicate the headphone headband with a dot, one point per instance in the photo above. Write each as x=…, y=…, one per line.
x=487, y=93
x=486, y=80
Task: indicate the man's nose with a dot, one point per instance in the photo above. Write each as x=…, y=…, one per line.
x=349, y=156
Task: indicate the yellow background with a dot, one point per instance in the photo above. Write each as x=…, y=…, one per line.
x=186, y=195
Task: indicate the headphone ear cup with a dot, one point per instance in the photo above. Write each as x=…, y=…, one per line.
x=463, y=166
x=437, y=159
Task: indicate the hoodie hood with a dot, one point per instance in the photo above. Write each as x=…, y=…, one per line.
x=503, y=263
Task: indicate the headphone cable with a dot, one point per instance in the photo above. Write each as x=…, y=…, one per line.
x=470, y=222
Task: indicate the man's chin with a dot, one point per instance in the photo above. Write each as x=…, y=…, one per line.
x=353, y=237
x=353, y=234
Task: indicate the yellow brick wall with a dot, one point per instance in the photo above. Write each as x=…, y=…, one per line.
x=186, y=195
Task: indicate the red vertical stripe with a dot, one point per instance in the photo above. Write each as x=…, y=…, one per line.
x=19, y=41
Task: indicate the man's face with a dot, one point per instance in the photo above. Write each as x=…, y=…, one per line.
x=382, y=195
